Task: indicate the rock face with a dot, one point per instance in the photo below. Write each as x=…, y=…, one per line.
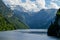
x=8, y=19
x=54, y=29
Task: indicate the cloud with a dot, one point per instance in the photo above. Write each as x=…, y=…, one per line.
x=11, y=2
x=33, y=6
x=28, y=5
x=54, y=5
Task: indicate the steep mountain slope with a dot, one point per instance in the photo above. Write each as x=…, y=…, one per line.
x=54, y=29
x=10, y=17
x=37, y=20
x=33, y=13
x=5, y=24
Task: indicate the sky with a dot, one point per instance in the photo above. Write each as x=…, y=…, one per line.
x=33, y=5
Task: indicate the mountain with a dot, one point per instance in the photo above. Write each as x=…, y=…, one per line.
x=54, y=29
x=5, y=24
x=37, y=20
x=36, y=14
x=8, y=14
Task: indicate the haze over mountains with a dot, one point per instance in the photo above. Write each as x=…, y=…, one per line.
x=35, y=13
x=41, y=19
x=8, y=21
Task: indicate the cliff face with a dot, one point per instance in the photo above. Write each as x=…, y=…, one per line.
x=54, y=29
x=9, y=16
x=4, y=9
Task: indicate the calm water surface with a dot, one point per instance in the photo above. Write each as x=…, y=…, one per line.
x=26, y=35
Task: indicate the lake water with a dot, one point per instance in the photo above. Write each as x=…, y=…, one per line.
x=28, y=34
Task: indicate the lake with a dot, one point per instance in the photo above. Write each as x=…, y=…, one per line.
x=28, y=34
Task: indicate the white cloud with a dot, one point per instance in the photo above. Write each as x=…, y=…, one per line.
x=41, y=3
x=53, y=5
x=11, y=2
x=32, y=6
x=29, y=5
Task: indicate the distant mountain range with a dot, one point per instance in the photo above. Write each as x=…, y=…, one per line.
x=35, y=20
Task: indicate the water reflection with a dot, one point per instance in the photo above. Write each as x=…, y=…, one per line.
x=17, y=35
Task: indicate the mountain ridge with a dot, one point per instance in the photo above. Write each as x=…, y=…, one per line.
x=40, y=19
x=8, y=14
x=36, y=20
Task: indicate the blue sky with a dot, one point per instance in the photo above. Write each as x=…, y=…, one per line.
x=23, y=0
x=47, y=2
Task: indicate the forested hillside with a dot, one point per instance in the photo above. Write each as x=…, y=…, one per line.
x=54, y=29
x=5, y=25
x=7, y=19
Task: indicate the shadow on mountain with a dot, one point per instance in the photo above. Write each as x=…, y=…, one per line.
x=54, y=29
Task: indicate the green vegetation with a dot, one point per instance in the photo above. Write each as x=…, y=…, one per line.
x=5, y=25
x=17, y=23
x=58, y=12
x=8, y=21
x=54, y=29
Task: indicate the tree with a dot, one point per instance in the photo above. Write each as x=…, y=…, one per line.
x=54, y=29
